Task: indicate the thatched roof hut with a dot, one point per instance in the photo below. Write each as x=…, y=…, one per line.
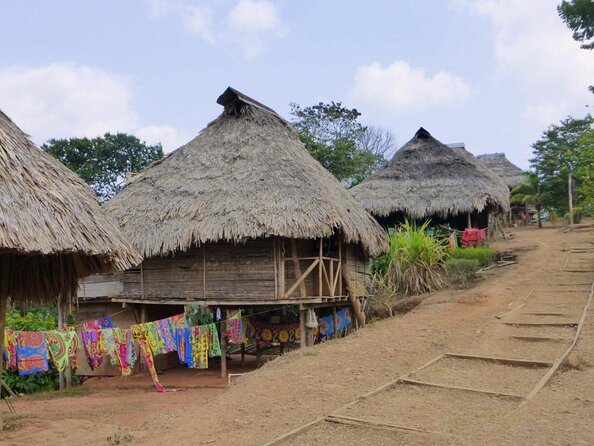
x=426, y=178
x=245, y=176
x=52, y=229
x=504, y=168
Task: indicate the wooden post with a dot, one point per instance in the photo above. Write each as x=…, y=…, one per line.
x=469, y=221
x=3, y=303
x=302, y=316
x=340, y=263
x=223, y=336
x=320, y=267
x=203, y=271
x=297, y=268
x=142, y=279
x=281, y=269
x=570, y=195
x=242, y=355
x=60, y=325
x=143, y=319
x=335, y=320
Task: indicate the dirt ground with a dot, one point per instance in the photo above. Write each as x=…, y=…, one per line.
x=549, y=285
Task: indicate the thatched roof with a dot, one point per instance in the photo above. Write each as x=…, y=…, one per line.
x=504, y=168
x=52, y=229
x=246, y=175
x=426, y=177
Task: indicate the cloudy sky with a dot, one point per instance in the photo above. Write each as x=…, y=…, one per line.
x=491, y=73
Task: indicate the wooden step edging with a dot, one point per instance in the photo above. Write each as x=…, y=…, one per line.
x=465, y=389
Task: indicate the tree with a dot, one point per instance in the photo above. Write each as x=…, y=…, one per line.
x=578, y=15
x=529, y=192
x=104, y=162
x=585, y=171
x=556, y=156
x=344, y=146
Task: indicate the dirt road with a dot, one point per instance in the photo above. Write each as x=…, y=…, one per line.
x=305, y=385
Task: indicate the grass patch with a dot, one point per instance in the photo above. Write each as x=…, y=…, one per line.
x=482, y=254
x=462, y=271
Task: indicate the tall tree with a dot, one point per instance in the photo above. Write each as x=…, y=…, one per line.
x=578, y=15
x=344, y=146
x=556, y=156
x=529, y=192
x=585, y=171
x=104, y=162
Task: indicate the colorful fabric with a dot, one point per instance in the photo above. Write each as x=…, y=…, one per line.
x=108, y=345
x=62, y=347
x=344, y=318
x=272, y=333
x=326, y=325
x=247, y=330
x=91, y=340
x=199, y=340
x=184, y=346
x=234, y=329
x=160, y=337
x=179, y=321
x=105, y=322
x=214, y=345
x=10, y=348
x=125, y=350
x=138, y=332
x=31, y=352
x=472, y=237
x=150, y=364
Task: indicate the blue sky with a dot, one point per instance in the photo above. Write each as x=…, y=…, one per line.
x=491, y=73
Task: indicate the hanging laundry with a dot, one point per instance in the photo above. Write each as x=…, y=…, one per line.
x=344, y=318
x=326, y=325
x=184, y=346
x=10, y=349
x=234, y=326
x=31, y=352
x=159, y=336
x=148, y=358
x=138, y=332
x=247, y=330
x=105, y=322
x=108, y=345
x=62, y=347
x=214, y=345
x=91, y=340
x=199, y=340
x=125, y=350
x=179, y=321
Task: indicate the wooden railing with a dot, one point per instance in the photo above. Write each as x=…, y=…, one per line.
x=329, y=271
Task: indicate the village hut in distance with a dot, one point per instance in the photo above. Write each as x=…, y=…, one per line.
x=242, y=216
x=511, y=174
x=428, y=180
x=52, y=229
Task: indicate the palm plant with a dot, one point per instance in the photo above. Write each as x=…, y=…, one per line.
x=529, y=192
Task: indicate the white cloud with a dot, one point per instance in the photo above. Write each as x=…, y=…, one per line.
x=64, y=100
x=248, y=25
x=534, y=48
x=400, y=88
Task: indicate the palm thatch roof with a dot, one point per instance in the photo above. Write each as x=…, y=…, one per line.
x=52, y=228
x=245, y=176
x=427, y=178
x=504, y=168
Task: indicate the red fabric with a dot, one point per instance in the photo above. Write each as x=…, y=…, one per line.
x=472, y=237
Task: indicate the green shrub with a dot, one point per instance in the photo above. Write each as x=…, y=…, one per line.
x=483, y=254
x=462, y=271
x=414, y=264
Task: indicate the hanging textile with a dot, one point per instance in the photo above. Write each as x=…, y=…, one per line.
x=10, y=348
x=326, y=325
x=62, y=347
x=104, y=322
x=234, y=326
x=150, y=364
x=179, y=321
x=138, y=332
x=31, y=352
x=344, y=318
x=125, y=350
x=159, y=336
x=247, y=330
x=108, y=345
x=199, y=337
x=184, y=346
x=214, y=345
x=91, y=340
x=268, y=333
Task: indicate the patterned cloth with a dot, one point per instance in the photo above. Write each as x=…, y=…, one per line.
x=160, y=337
x=214, y=346
x=234, y=329
x=326, y=325
x=138, y=332
x=105, y=322
x=199, y=339
x=62, y=348
x=184, y=346
x=108, y=345
x=10, y=348
x=179, y=321
x=148, y=358
x=344, y=318
x=91, y=340
x=31, y=352
x=125, y=350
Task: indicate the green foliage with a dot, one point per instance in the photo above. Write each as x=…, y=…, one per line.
x=482, y=254
x=44, y=318
x=383, y=291
x=415, y=261
x=578, y=15
x=334, y=137
x=462, y=271
x=585, y=172
x=198, y=315
x=104, y=162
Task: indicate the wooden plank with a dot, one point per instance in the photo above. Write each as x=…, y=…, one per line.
x=342, y=419
x=507, y=361
x=543, y=324
x=320, y=268
x=296, y=270
x=299, y=282
x=540, y=338
x=292, y=433
x=465, y=389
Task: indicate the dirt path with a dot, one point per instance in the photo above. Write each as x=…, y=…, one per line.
x=305, y=385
